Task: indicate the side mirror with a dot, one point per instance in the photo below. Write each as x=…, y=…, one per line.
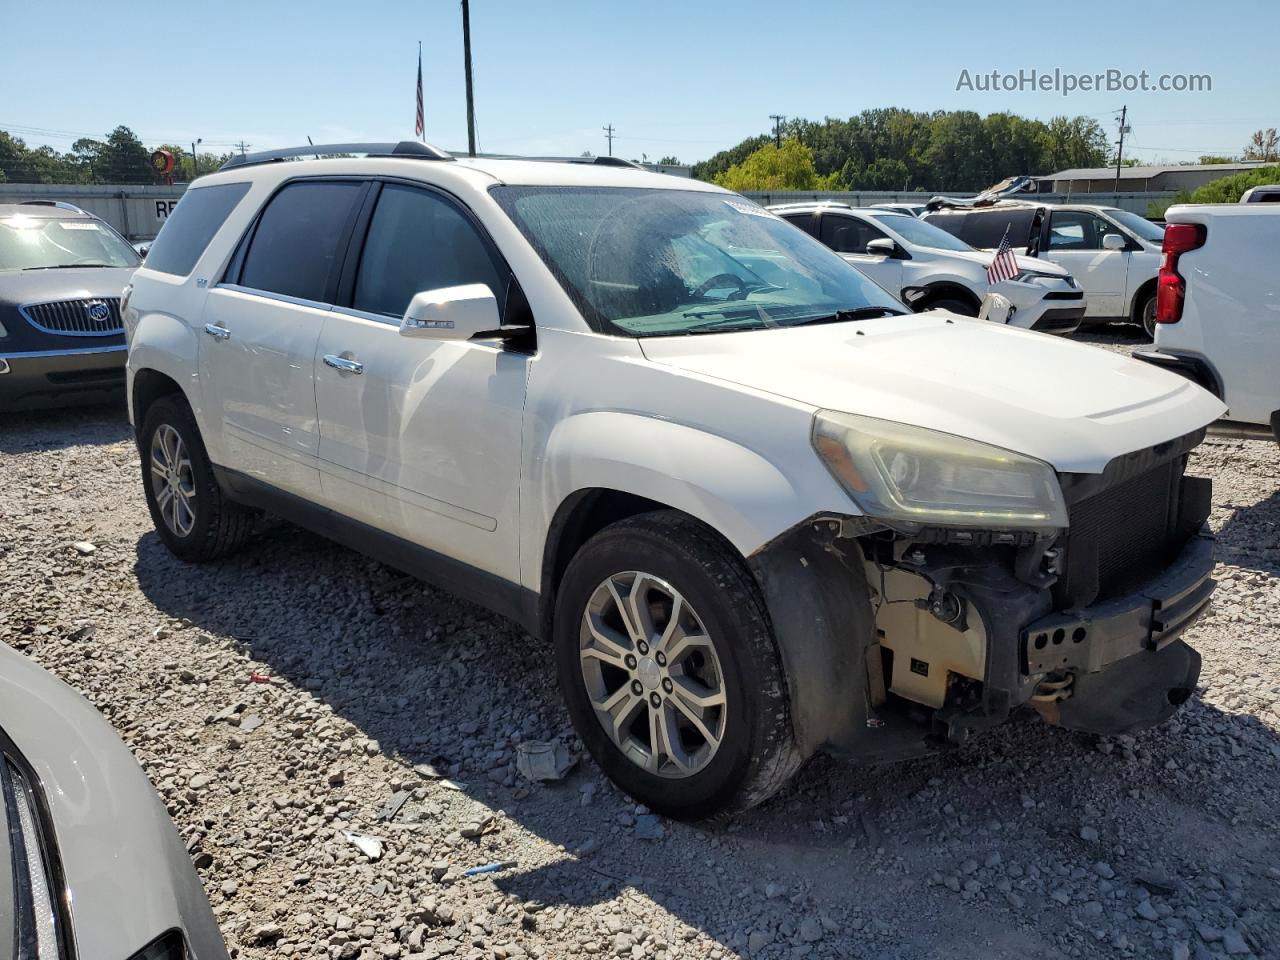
x=1113, y=241
x=881, y=247
x=996, y=308
x=452, y=313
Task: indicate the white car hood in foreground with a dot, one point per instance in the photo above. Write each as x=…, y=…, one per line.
x=1072, y=405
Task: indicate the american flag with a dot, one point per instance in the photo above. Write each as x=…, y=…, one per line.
x=419, y=126
x=1004, y=266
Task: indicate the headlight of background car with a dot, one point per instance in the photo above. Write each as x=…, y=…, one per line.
x=898, y=472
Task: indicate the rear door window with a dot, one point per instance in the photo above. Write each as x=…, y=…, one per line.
x=297, y=247
x=419, y=241
x=189, y=228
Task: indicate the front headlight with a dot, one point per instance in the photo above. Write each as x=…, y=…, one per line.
x=898, y=472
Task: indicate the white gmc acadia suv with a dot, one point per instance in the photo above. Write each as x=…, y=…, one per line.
x=756, y=507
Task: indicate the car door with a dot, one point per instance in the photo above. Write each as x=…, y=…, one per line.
x=848, y=236
x=260, y=328
x=422, y=438
x=1075, y=243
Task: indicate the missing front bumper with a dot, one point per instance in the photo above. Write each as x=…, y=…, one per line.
x=1128, y=666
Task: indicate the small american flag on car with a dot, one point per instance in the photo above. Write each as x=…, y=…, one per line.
x=1004, y=266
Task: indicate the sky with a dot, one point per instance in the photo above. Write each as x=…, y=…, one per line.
x=681, y=79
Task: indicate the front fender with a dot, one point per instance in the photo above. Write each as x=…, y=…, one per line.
x=732, y=489
x=163, y=343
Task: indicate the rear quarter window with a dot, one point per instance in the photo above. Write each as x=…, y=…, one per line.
x=188, y=230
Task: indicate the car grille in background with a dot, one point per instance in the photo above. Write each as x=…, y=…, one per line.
x=1126, y=534
x=88, y=317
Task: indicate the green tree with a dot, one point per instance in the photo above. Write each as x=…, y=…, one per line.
x=673, y=161
x=125, y=159
x=1230, y=189
x=1209, y=159
x=722, y=161
x=789, y=167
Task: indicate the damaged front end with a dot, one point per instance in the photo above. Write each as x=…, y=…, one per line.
x=898, y=639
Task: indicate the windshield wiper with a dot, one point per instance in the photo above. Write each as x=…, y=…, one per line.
x=68, y=266
x=853, y=313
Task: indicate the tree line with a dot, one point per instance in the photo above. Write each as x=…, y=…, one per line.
x=940, y=150
x=119, y=157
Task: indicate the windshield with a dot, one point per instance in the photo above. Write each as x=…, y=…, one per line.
x=920, y=233
x=1144, y=228
x=646, y=263
x=36, y=243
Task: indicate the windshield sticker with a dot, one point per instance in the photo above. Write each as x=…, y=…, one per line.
x=750, y=209
x=78, y=226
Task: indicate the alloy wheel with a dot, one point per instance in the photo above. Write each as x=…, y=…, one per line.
x=173, y=480
x=1149, y=317
x=653, y=675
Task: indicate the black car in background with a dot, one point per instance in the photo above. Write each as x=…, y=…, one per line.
x=61, y=274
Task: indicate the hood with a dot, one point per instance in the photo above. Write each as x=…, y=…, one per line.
x=1069, y=404
x=36, y=286
x=1034, y=264
x=128, y=874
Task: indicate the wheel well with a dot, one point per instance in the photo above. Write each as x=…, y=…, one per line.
x=581, y=516
x=949, y=291
x=1135, y=308
x=148, y=387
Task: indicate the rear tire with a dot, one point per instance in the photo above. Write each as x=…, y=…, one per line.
x=190, y=512
x=1146, y=315
x=736, y=747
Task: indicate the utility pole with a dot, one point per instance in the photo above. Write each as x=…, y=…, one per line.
x=1124, y=112
x=195, y=158
x=777, y=119
x=466, y=61
x=243, y=147
x=608, y=132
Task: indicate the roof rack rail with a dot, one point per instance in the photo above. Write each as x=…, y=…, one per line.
x=60, y=204
x=405, y=148
x=607, y=162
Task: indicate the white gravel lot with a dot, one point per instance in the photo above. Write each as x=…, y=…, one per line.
x=283, y=698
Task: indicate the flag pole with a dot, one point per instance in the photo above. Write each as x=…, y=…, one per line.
x=466, y=60
x=419, y=123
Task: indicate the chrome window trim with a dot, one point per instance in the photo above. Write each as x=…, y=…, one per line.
x=106, y=332
x=278, y=297
x=366, y=315
x=69, y=352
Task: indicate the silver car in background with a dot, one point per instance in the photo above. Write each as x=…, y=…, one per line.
x=91, y=867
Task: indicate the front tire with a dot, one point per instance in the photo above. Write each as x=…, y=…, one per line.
x=190, y=512
x=668, y=665
x=952, y=305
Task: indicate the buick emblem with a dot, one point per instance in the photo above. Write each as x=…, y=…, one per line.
x=98, y=311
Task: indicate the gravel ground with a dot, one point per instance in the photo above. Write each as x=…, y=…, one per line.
x=298, y=693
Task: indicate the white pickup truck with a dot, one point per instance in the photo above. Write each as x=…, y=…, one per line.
x=1218, y=310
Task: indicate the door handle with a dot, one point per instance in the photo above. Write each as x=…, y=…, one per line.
x=217, y=332
x=343, y=364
